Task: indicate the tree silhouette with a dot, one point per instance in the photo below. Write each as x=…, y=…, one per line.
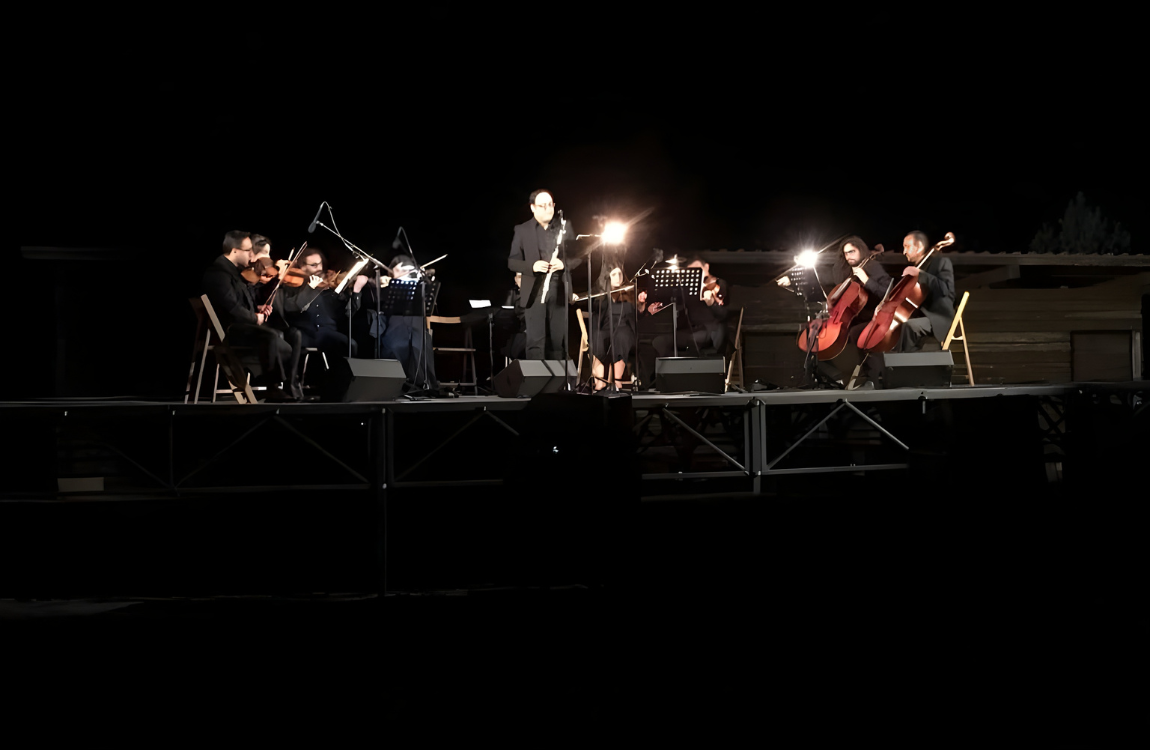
x=1082, y=229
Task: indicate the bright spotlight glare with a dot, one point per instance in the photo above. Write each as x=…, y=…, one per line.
x=614, y=233
x=807, y=258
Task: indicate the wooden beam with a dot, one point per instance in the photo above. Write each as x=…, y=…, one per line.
x=782, y=260
x=986, y=278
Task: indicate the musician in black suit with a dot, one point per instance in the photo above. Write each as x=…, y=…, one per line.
x=316, y=310
x=232, y=299
x=936, y=277
x=533, y=254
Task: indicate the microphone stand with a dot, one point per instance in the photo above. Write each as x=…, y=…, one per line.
x=566, y=303
x=363, y=257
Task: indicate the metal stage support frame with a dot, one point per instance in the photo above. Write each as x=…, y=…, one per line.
x=83, y=452
x=135, y=450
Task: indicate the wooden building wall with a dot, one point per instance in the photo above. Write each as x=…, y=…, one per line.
x=1016, y=335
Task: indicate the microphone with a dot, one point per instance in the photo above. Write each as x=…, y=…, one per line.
x=311, y=227
x=396, y=244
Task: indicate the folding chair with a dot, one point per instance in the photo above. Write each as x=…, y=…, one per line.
x=468, y=351
x=737, y=355
x=210, y=339
x=957, y=323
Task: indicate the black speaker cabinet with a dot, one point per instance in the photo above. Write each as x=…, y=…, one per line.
x=524, y=378
x=676, y=374
x=917, y=369
x=364, y=380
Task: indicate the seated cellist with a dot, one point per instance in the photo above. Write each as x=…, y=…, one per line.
x=856, y=260
x=936, y=278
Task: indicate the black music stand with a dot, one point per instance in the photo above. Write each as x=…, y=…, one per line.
x=806, y=285
x=670, y=286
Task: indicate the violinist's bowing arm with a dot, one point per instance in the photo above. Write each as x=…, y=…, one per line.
x=296, y=299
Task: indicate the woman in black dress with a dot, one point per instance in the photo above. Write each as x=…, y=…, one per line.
x=612, y=327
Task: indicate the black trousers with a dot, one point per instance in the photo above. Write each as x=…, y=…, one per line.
x=914, y=330
x=404, y=340
x=276, y=351
x=546, y=330
x=328, y=339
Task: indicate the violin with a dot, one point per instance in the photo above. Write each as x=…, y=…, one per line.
x=711, y=284
x=255, y=272
x=900, y=302
x=827, y=336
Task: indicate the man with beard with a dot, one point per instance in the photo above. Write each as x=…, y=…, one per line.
x=315, y=310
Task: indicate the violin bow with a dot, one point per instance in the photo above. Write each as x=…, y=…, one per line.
x=292, y=256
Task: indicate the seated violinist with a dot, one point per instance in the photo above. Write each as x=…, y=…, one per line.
x=613, y=329
x=703, y=319
x=246, y=325
x=406, y=338
x=936, y=278
x=264, y=271
x=313, y=308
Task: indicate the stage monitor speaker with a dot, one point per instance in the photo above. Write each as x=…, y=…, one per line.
x=555, y=367
x=917, y=369
x=364, y=380
x=525, y=378
x=677, y=374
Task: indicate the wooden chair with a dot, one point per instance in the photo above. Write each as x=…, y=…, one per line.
x=584, y=345
x=957, y=324
x=585, y=349
x=467, y=350
x=736, y=355
x=210, y=339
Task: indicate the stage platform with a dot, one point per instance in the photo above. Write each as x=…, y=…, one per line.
x=117, y=497
x=84, y=450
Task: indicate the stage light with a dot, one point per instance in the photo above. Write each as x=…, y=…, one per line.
x=807, y=258
x=614, y=233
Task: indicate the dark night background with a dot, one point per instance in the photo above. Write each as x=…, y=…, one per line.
x=739, y=129
x=735, y=136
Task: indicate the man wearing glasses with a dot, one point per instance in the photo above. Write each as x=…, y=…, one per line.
x=533, y=254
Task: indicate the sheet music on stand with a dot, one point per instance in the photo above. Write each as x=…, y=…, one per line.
x=805, y=283
x=668, y=281
x=400, y=298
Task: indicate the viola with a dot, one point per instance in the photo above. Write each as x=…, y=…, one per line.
x=711, y=284
x=900, y=302
x=286, y=275
x=846, y=301
x=253, y=273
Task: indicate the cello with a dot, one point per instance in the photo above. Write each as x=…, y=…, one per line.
x=900, y=302
x=827, y=337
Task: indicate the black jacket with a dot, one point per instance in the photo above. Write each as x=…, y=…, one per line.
x=526, y=249
x=877, y=284
x=937, y=278
x=229, y=293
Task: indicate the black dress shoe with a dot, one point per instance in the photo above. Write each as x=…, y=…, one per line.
x=277, y=395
